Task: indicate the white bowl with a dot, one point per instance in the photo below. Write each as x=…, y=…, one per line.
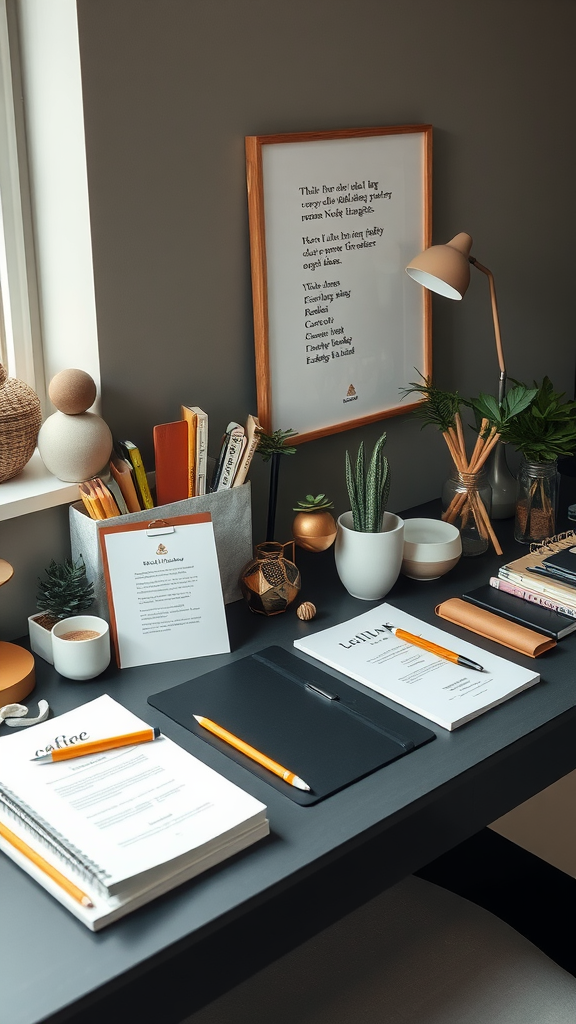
x=431, y=548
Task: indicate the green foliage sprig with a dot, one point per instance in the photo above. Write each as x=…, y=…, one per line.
x=500, y=416
x=275, y=444
x=368, y=489
x=439, y=409
x=65, y=590
x=535, y=421
x=320, y=503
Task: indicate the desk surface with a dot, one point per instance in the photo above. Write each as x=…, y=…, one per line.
x=168, y=958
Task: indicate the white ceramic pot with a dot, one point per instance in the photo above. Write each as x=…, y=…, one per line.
x=368, y=564
x=81, y=646
x=40, y=638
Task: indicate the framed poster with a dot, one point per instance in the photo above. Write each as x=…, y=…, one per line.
x=339, y=327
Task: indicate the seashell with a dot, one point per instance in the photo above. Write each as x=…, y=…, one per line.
x=306, y=611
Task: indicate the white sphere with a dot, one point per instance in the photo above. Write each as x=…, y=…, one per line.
x=74, y=448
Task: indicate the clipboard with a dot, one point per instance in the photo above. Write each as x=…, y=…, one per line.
x=164, y=591
x=324, y=730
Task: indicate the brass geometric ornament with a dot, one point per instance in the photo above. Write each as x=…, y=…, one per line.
x=270, y=581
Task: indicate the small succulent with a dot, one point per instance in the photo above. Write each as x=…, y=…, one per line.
x=65, y=589
x=320, y=503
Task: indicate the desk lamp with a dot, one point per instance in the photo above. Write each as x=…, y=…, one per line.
x=445, y=269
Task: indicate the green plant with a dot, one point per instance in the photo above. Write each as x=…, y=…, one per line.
x=65, y=590
x=368, y=488
x=271, y=447
x=320, y=503
x=439, y=408
x=275, y=444
x=539, y=424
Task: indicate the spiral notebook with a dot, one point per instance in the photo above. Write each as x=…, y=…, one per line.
x=122, y=826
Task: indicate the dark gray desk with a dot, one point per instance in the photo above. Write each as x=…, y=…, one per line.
x=167, y=959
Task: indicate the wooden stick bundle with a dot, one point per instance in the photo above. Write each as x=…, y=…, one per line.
x=469, y=501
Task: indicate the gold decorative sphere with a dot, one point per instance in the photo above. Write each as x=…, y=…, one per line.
x=314, y=531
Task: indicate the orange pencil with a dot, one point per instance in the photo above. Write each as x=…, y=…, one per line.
x=427, y=645
x=96, y=746
x=44, y=866
x=252, y=753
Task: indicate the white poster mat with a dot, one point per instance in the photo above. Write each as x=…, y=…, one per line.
x=346, y=325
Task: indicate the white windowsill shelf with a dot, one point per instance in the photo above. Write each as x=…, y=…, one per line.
x=34, y=489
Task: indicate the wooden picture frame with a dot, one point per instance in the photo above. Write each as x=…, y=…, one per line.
x=339, y=327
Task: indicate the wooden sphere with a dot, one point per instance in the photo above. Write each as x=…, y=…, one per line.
x=306, y=611
x=72, y=391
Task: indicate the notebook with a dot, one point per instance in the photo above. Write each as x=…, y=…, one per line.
x=526, y=613
x=124, y=825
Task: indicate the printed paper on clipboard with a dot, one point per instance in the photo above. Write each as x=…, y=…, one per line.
x=164, y=590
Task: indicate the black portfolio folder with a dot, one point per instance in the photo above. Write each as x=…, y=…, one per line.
x=324, y=730
x=527, y=613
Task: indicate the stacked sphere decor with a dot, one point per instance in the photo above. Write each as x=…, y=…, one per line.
x=74, y=444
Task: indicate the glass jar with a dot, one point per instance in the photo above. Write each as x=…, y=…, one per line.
x=467, y=502
x=536, y=501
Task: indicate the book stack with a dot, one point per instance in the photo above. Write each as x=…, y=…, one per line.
x=181, y=464
x=538, y=589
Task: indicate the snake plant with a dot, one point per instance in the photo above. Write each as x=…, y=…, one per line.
x=368, y=487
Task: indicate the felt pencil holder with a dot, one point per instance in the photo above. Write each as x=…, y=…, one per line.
x=231, y=513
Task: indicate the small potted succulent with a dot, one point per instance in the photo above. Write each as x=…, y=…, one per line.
x=370, y=540
x=64, y=591
x=314, y=527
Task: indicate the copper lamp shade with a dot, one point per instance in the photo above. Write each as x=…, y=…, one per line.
x=444, y=269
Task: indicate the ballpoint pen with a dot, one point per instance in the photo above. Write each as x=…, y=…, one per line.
x=252, y=753
x=427, y=645
x=96, y=746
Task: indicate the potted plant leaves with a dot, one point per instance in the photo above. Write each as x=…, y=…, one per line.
x=543, y=431
x=314, y=526
x=63, y=591
x=370, y=540
x=466, y=494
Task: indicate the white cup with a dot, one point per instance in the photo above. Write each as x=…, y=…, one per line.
x=81, y=657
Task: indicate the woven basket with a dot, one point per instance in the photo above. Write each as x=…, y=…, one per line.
x=20, y=419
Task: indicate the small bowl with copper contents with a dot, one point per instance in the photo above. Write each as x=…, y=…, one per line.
x=431, y=548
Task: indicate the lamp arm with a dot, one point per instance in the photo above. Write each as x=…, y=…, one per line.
x=495, y=318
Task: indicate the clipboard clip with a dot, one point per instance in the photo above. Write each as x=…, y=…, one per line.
x=158, y=527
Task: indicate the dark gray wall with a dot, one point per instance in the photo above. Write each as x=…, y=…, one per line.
x=171, y=87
